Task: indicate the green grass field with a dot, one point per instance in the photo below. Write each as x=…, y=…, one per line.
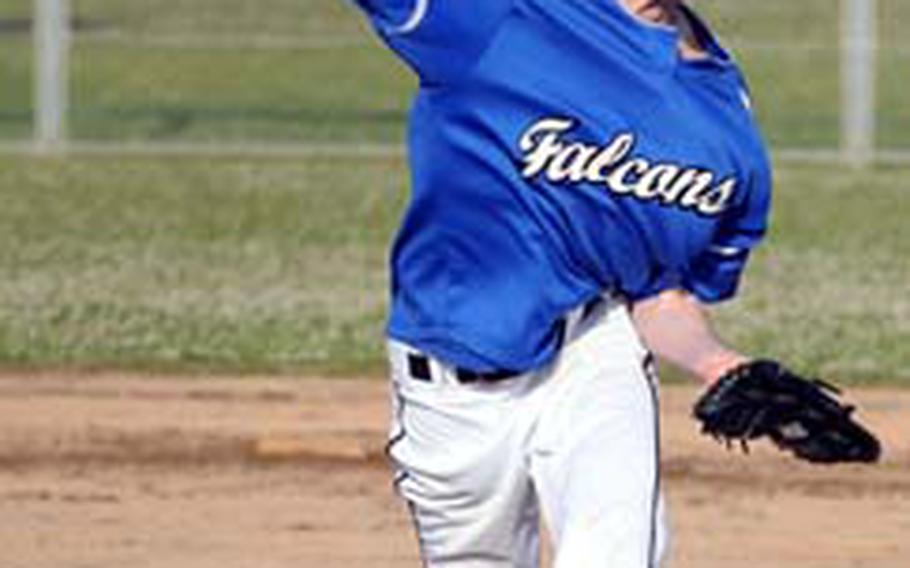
x=279, y=265
x=250, y=265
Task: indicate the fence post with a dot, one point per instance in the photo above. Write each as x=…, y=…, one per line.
x=859, y=57
x=51, y=77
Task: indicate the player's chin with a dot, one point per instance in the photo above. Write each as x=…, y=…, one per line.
x=656, y=13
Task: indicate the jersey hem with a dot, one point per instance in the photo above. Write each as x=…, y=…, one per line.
x=434, y=344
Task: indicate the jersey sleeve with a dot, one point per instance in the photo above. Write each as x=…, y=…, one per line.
x=438, y=39
x=715, y=274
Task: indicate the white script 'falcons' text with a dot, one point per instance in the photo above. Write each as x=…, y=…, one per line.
x=548, y=153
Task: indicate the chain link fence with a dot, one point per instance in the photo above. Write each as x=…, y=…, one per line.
x=264, y=74
x=15, y=69
x=893, y=104
x=793, y=55
x=237, y=71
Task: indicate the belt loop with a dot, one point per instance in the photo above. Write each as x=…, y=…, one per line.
x=576, y=318
x=419, y=367
x=572, y=320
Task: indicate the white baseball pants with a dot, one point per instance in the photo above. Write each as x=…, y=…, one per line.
x=576, y=441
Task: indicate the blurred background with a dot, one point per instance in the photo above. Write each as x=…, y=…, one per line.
x=304, y=71
x=211, y=185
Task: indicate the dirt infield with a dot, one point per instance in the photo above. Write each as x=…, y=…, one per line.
x=109, y=472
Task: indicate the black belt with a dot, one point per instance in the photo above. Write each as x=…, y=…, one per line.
x=419, y=368
x=419, y=365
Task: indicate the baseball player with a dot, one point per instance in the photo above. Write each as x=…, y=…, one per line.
x=586, y=174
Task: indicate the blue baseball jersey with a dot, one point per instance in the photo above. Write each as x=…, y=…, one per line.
x=560, y=148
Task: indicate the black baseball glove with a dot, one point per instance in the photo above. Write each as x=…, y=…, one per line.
x=763, y=398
